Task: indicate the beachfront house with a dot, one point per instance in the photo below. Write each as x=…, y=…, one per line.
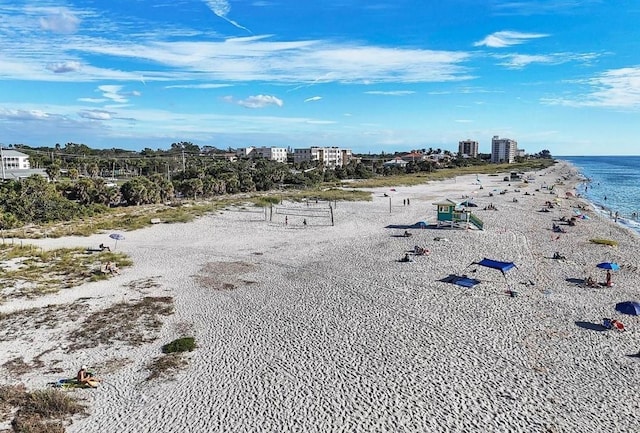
x=396, y=162
x=15, y=165
x=278, y=154
x=328, y=156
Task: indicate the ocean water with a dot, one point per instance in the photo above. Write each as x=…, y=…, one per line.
x=612, y=184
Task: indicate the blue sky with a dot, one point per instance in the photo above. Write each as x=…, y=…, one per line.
x=373, y=76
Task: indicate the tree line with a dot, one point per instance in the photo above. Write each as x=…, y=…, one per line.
x=80, y=180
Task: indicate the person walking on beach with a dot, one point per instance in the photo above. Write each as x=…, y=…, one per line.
x=609, y=282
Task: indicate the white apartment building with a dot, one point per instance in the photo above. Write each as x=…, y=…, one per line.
x=329, y=156
x=468, y=147
x=14, y=160
x=278, y=154
x=503, y=150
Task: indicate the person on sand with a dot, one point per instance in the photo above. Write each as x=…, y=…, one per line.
x=406, y=258
x=609, y=283
x=87, y=378
x=104, y=247
x=113, y=268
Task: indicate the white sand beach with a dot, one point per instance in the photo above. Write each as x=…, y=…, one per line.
x=320, y=328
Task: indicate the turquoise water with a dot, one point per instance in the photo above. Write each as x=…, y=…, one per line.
x=612, y=185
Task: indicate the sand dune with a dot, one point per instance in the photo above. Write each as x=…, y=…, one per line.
x=319, y=328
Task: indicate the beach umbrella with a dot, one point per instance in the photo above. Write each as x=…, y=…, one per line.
x=608, y=265
x=630, y=307
x=117, y=237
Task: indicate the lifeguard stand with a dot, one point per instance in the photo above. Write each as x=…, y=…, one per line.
x=451, y=214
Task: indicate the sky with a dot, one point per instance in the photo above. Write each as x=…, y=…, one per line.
x=369, y=75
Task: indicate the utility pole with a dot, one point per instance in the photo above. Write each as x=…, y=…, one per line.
x=184, y=167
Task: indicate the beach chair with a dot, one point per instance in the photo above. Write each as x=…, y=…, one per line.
x=607, y=323
x=618, y=326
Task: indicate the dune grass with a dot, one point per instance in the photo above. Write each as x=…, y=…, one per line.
x=29, y=271
x=40, y=411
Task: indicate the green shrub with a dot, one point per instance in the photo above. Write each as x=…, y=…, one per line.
x=184, y=344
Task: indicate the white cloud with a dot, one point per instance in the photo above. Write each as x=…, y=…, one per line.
x=92, y=100
x=61, y=21
x=391, y=92
x=112, y=92
x=541, y=7
x=64, y=67
x=257, y=101
x=221, y=8
x=20, y=115
x=616, y=88
x=301, y=63
x=95, y=114
x=313, y=99
x=197, y=86
x=519, y=61
x=507, y=38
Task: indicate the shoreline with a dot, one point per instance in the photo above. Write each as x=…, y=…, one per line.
x=627, y=221
x=320, y=328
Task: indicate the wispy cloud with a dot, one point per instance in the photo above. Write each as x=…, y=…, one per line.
x=221, y=8
x=64, y=67
x=112, y=93
x=60, y=21
x=616, y=88
x=519, y=61
x=257, y=101
x=313, y=99
x=26, y=115
x=540, y=7
x=95, y=114
x=391, y=92
x=198, y=86
x=507, y=38
x=92, y=100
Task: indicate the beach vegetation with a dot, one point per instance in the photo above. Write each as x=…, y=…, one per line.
x=32, y=271
x=133, y=323
x=183, y=344
x=39, y=411
x=173, y=360
x=166, y=365
x=601, y=241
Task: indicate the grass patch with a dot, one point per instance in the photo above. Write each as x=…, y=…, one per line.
x=20, y=325
x=29, y=271
x=608, y=242
x=166, y=366
x=40, y=411
x=133, y=323
x=173, y=360
x=184, y=344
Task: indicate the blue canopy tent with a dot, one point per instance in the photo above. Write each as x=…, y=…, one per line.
x=495, y=264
